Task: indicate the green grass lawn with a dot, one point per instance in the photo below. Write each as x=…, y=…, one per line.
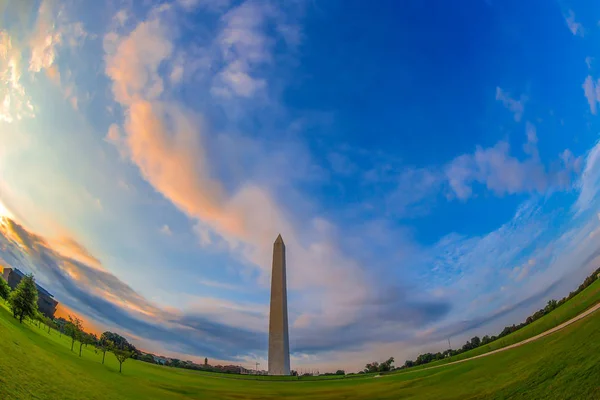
x=35, y=365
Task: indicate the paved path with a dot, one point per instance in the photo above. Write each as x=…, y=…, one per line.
x=512, y=346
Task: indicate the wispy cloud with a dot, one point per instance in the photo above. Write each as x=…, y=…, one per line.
x=591, y=90
x=165, y=230
x=503, y=173
x=517, y=107
x=575, y=27
x=15, y=104
x=589, y=184
x=245, y=48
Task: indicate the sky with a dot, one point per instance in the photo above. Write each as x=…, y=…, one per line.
x=433, y=168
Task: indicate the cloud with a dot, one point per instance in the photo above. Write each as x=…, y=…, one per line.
x=15, y=103
x=218, y=285
x=517, y=107
x=70, y=248
x=591, y=90
x=165, y=230
x=575, y=27
x=132, y=63
x=243, y=45
x=209, y=5
x=416, y=191
x=502, y=173
x=45, y=39
x=589, y=183
x=42, y=43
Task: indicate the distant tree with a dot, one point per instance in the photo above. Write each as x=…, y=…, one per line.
x=372, y=367
x=387, y=365
x=104, y=345
x=147, y=358
x=40, y=319
x=485, y=340
x=60, y=323
x=340, y=372
x=122, y=355
x=4, y=289
x=93, y=339
x=475, y=342
x=552, y=304
x=122, y=343
x=409, y=364
x=118, y=340
x=73, y=329
x=50, y=324
x=205, y=361
x=85, y=339
x=23, y=300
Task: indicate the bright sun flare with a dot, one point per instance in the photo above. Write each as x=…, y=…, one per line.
x=4, y=211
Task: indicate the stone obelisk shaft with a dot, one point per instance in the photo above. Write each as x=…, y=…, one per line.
x=279, y=347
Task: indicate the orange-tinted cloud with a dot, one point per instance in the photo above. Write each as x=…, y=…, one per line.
x=69, y=247
x=54, y=74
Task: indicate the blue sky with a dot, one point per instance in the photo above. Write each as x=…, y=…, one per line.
x=433, y=169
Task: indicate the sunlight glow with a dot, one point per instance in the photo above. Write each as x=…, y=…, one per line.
x=4, y=212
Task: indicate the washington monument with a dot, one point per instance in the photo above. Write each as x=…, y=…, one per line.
x=279, y=345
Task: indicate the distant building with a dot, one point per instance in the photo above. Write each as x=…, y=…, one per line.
x=46, y=303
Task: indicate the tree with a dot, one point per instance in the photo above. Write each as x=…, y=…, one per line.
x=372, y=367
x=387, y=365
x=122, y=355
x=119, y=341
x=40, y=319
x=73, y=329
x=49, y=323
x=147, y=358
x=340, y=372
x=85, y=339
x=205, y=362
x=4, y=289
x=475, y=342
x=23, y=300
x=104, y=345
x=550, y=306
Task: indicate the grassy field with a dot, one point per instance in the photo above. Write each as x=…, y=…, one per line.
x=564, y=365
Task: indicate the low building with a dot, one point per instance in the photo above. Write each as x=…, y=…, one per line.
x=46, y=303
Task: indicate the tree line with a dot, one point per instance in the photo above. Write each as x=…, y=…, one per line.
x=23, y=303
x=476, y=341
